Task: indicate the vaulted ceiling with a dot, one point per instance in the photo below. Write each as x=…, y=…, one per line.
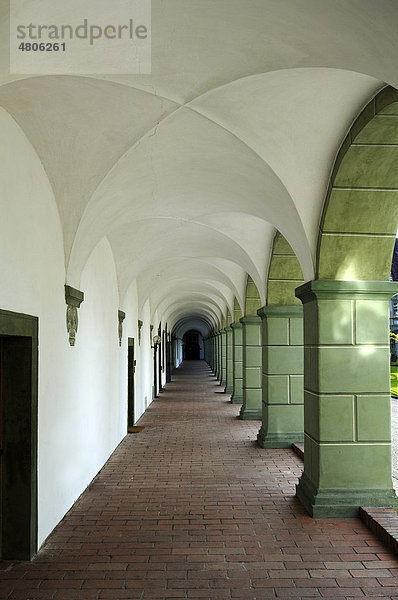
x=188, y=171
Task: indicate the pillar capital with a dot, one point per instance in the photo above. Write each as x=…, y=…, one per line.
x=250, y=319
x=280, y=311
x=236, y=325
x=353, y=290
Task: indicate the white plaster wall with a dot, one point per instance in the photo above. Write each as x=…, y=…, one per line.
x=142, y=352
x=144, y=371
x=81, y=408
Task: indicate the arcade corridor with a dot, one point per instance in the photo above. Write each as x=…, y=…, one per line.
x=192, y=508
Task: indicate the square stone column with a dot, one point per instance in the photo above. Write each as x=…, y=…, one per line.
x=347, y=429
x=229, y=388
x=217, y=371
x=223, y=377
x=252, y=367
x=282, y=377
x=237, y=357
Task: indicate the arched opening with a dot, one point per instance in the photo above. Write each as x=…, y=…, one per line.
x=346, y=355
x=193, y=345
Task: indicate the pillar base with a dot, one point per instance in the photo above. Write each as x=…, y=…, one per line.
x=250, y=414
x=237, y=399
x=278, y=440
x=229, y=389
x=338, y=503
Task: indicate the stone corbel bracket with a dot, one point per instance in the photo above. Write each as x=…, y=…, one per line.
x=140, y=324
x=73, y=299
x=121, y=317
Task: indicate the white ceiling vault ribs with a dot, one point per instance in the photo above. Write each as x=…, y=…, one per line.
x=194, y=309
x=183, y=325
x=188, y=171
x=230, y=276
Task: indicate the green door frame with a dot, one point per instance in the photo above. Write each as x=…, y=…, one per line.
x=130, y=383
x=19, y=393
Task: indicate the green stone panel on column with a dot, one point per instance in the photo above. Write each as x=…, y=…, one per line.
x=353, y=210
x=251, y=344
x=336, y=461
x=329, y=418
x=286, y=264
x=230, y=362
x=372, y=324
x=282, y=292
x=347, y=460
x=237, y=393
x=369, y=167
x=296, y=389
x=253, y=377
x=283, y=419
x=277, y=388
x=277, y=331
x=251, y=405
x=284, y=360
x=344, y=257
x=373, y=416
x=380, y=130
x=353, y=369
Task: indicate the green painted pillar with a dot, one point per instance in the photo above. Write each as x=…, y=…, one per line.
x=215, y=354
x=210, y=342
x=212, y=352
x=223, y=378
x=206, y=349
x=347, y=429
x=282, y=376
x=218, y=349
x=230, y=363
x=237, y=357
x=251, y=368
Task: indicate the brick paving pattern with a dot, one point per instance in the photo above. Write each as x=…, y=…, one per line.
x=192, y=508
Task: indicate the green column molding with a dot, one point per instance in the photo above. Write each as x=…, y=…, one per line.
x=347, y=430
x=229, y=388
x=251, y=368
x=237, y=357
x=282, y=377
x=223, y=377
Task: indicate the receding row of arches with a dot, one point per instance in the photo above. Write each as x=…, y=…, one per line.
x=313, y=362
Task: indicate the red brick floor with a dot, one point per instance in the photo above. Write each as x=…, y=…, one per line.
x=192, y=508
